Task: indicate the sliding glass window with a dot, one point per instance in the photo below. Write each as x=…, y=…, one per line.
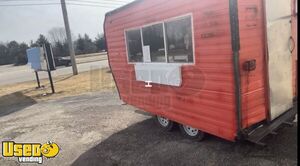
x=179, y=40
x=167, y=42
x=134, y=46
x=153, y=37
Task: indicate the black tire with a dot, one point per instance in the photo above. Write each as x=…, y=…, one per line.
x=192, y=133
x=165, y=123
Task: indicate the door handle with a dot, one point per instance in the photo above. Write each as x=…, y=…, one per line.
x=292, y=44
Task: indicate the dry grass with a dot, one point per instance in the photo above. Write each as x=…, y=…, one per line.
x=68, y=85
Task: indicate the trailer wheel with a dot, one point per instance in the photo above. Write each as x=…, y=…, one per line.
x=165, y=123
x=192, y=133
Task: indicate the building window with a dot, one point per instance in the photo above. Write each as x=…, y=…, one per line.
x=153, y=37
x=169, y=41
x=134, y=46
x=179, y=40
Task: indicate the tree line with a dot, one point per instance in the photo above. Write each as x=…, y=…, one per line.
x=15, y=53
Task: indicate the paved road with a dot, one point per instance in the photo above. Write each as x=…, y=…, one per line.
x=96, y=129
x=15, y=74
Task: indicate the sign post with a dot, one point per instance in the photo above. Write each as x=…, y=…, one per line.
x=51, y=82
x=41, y=59
x=50, y=63
x=37, y=79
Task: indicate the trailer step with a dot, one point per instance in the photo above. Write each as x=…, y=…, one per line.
x=273, y=133
x=261, y=144
x=289, y=124
x=268, y=128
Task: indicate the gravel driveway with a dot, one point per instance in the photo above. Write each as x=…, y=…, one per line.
x=96, y=129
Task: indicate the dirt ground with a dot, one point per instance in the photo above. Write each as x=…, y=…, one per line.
x=67, y=85
x=97, y=129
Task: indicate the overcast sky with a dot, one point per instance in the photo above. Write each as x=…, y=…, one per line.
x=25, y=23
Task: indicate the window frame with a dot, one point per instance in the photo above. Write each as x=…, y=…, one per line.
x=126, y=44
x=180, y=17
x=149, y=25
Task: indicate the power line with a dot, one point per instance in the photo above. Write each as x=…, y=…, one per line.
x=101, y=1
x=46, y=4
x=71, y=2
x=92, y=5
x=36, y=4
x=8, y=1
x=93, y=2
x=114, y=1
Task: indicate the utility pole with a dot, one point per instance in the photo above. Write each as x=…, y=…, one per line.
x=69, y=38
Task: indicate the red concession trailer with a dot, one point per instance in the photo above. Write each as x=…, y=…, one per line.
x=223, y=67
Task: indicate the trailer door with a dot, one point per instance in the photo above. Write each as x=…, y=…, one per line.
x=278, y=17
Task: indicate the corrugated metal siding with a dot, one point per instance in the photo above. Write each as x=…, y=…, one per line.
x=254, y=95
x=206, y=99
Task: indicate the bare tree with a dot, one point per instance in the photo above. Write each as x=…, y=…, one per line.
x=57, y=35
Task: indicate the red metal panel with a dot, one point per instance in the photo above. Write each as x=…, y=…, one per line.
x=295, y=52
x=206, y=99
x=251, y=18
